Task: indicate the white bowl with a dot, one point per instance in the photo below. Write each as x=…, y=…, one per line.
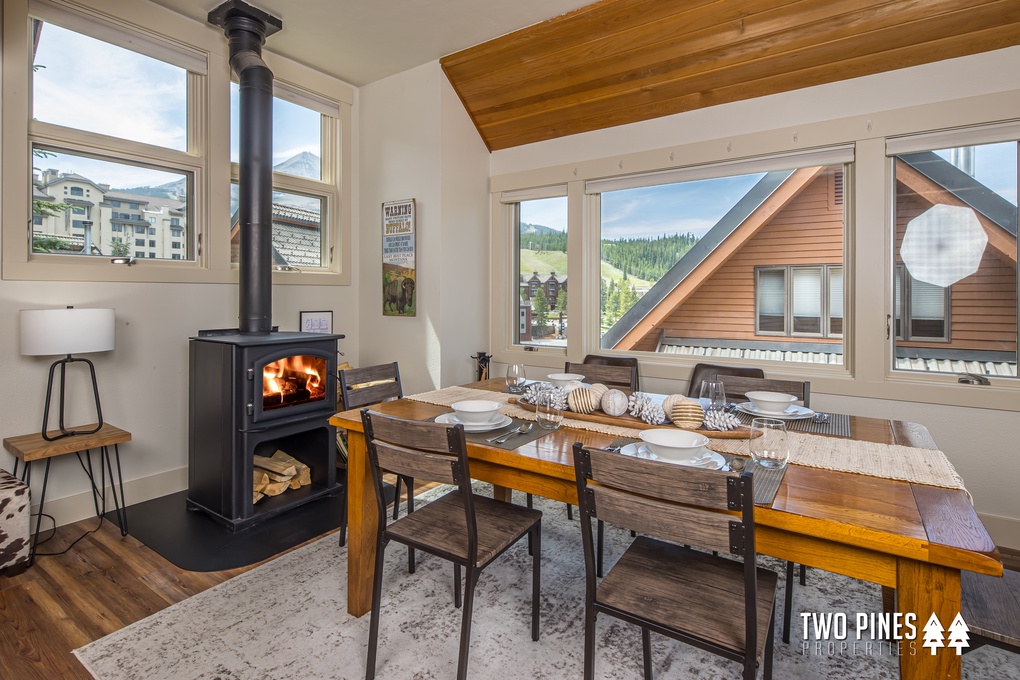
x=674, y=444
x=771, y=402
x=561, y=379
x=475, y=411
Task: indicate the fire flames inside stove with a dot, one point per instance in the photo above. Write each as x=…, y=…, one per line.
x=293, y=380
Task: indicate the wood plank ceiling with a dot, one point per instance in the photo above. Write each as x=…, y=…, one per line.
x=623, y=61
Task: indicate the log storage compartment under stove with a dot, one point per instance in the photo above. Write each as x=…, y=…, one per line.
x=254, y=396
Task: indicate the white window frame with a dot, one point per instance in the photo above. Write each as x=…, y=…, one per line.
x=824, y=271
x=906, y=317
x=206, y=160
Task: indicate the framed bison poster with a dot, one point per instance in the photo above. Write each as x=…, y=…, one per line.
x=398, y=258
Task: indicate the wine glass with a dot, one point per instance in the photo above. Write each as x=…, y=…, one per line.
x=713, y=396
x=515, y=378
x=550, y=416
x=768, y=443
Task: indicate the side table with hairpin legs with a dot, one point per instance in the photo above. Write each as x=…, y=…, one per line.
x=28, y=448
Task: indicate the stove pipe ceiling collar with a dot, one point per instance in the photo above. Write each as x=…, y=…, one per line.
x=246, y=28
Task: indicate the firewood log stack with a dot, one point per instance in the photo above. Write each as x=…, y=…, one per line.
x=272, y=476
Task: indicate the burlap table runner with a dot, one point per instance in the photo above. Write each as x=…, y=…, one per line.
x=891, y=461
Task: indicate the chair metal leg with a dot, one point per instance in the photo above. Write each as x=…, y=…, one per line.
x=465, y=627
x=409, y=483
x=396, y=497
x=788, y=609
x=456, y=585
x=646, y=652
x=803, y=574
x=536, y=579
x=590, y=617
x=598, y=549
x=770, y=643
x=343, y=518
x=570, y=511
x=529, y=500
x=373, y=627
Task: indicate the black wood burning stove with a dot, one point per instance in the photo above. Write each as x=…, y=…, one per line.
x=253, y=395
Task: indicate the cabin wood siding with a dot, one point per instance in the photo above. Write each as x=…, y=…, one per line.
x=982, y=307
x=808, y=231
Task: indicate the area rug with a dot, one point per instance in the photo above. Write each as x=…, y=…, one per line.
x=288, y=619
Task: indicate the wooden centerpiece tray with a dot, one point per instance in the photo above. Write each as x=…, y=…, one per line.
x=741, y=432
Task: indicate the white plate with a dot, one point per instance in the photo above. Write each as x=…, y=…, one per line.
x=499, y=420
x=791, y=413
x=715, y=461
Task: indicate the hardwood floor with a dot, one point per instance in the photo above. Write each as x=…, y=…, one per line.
x=103, y=583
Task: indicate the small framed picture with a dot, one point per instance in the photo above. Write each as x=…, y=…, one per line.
x=317, y=322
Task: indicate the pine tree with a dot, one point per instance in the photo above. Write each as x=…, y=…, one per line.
x=540, y=308
x=933, y=634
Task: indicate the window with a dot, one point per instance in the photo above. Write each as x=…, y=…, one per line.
x=139, y=241
x=116, y=227
x=799, y=301
x=539, y=315
x=301, y=199
x=140, y=253
x=65, y=109
x=152, y=243
x=102, y=132
x=780, y=225
x=954, y=285
x=175, y=246
x=140, y=230
x=152, y=231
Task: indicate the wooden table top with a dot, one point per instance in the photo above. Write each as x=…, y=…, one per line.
x=29, y=447
x=931, y=524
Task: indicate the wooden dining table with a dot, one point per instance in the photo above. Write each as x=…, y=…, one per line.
x=913, y=538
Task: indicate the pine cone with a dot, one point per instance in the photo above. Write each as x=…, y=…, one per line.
x=722, y=421
x=652, y=413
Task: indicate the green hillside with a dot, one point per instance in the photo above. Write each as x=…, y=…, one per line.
x=556, y=261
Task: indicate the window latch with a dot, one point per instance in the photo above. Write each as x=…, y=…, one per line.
x=971, y=379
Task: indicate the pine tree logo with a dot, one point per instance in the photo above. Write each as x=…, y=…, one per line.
x=958, y=637
x=933, y=634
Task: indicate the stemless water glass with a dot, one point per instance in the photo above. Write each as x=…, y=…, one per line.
x=515, y=378
x=768, y=443
x=713, y=395
x=549, y=414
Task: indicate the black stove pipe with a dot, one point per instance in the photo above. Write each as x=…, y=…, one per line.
x=245, y=28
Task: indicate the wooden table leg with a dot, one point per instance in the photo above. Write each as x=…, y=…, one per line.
x=924, y=589
x=362, y=523
x=503, y=493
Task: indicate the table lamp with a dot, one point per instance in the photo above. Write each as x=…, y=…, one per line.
x=67, y=331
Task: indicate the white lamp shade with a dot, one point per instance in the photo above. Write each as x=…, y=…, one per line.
x=66, y=331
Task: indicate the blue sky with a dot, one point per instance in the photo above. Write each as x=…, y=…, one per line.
x=92, y=85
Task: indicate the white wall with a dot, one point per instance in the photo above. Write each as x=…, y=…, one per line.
x=143, y=382
x=981, y=443
x=418, y=142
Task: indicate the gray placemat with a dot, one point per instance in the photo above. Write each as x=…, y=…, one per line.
x=514, y=442
x=766, y=482
x=837, y=425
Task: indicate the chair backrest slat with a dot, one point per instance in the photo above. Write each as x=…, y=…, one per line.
x=708, y=529
x=433, y=467
x=704, y=372
x=370, y=385
x=412, y=434
x=654, y=478
x=738, y=386
x=613, y=376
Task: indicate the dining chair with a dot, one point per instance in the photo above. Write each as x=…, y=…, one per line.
x=363, y=387
x=469, y=530
x=717, y=604
x=602, y=360
x=737, y=387
x=703, y=372
x=618, y=376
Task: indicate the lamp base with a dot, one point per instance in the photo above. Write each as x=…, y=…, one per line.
x=64, y=432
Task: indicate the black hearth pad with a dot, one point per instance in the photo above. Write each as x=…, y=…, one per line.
x=193, y=541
